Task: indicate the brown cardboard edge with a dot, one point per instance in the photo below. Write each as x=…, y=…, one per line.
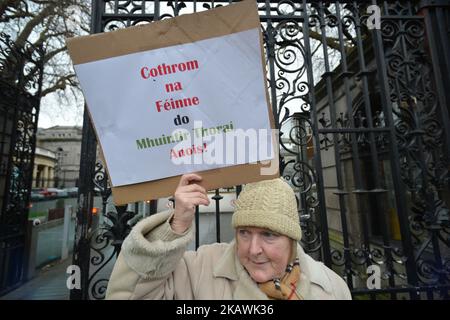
x=212, y=179
x=99, y=46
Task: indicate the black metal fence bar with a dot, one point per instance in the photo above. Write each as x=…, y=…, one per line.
x=374, y=151
x=421, y=161
x=436, y=18
x=359, y=190
x=82, y=246
x=394, y=156
x=217, y=197
x=341, y=193
x=270, y=50
x=324, y=237
x=197, y=227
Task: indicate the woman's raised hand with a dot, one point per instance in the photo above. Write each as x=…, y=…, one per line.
x=188, y=195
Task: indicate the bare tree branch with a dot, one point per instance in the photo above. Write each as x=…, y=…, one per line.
x=48, y=56
x=7, y=4
x=330, y=42
x=61, y=84
x=39, y=18
x=44, y=23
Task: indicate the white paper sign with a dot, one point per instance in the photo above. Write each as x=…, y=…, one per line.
x=170, y=111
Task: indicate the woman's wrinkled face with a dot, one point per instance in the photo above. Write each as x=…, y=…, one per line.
x=263, y=253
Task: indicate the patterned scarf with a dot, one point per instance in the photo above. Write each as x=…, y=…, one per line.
x=286, y=287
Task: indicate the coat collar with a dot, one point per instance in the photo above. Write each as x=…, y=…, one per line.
x=229, y=267
x=313, y=273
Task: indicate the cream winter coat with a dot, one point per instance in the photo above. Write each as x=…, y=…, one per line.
x=154, y=264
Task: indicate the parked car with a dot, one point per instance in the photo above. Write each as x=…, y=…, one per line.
x=36, y=194
x=72, y=192
x=61, y=193
x=54, y=193
x=49, y=192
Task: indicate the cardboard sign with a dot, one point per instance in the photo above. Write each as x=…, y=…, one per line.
x=182, y=95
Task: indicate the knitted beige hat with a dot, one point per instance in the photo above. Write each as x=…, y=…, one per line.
x=268, y=204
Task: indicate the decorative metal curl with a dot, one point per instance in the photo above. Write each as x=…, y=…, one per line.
x=113, y=25
x=389, y=30
x=177, y=6
x=331, y=20
x=98, y=289
x=314, y=20
x=414, y=29
x=337, y=257
x=288, y=31
x=112, y=233
x=427, y=271
x=398, y=9
x=302, y=87
x=348, y=21
x=207, y=6
x=287, y=55
x=359, y=256
x=398, y=256
x=100, y=238
x=311, y=240
x=286, y=3
x=377, y=256
x=304, y=177
x=299, y=135
x=282, y=83
x=101, y=182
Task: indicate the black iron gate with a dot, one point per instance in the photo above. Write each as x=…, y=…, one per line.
x=362, y=108
x=21, y=72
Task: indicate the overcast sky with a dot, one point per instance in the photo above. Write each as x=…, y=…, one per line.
x=55, y=113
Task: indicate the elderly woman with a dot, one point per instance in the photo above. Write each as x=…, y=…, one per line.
x=265, y=260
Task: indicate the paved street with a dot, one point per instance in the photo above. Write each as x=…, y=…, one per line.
x=50, y=283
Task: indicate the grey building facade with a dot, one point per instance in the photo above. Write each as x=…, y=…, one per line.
x=65, y=142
